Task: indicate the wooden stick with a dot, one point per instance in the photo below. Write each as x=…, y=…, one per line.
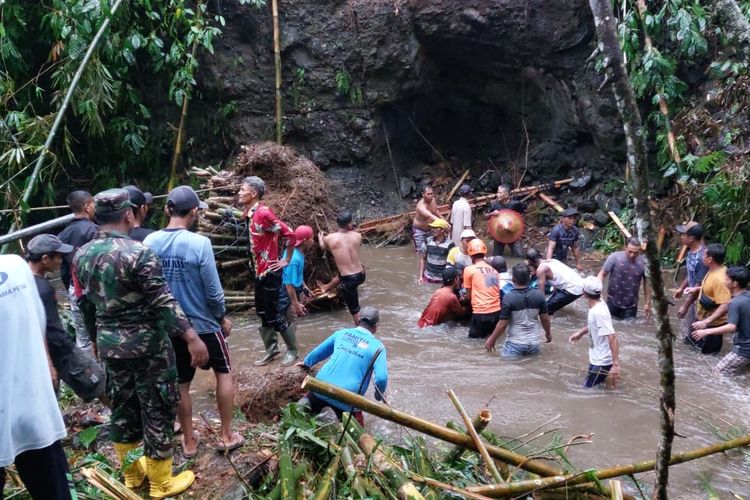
x=681, y=255
x=588, y=225
x=475, y=437
x=425, y=426
x=448, y=487
x=393, y=165
x=277, y=65
x=481, y=421
x=396, y=478
x=231, y=263
x=615, y=489
x=518, y=487
x=619, y=224
x=660, y=237
x=107, y=484
x=458, y=185
x=283, y=209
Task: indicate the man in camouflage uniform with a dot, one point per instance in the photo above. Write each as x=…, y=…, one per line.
x=125, y=290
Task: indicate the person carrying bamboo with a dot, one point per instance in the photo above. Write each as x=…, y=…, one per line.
x=266, y=230
x=190, y=269
x=354, y=356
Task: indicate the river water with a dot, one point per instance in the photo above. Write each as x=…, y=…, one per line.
x=424, y=363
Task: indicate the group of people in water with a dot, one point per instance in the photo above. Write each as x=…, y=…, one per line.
x=148, y=309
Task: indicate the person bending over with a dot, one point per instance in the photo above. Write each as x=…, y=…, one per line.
x=444, y=305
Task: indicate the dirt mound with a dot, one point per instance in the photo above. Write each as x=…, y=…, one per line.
x=262, y=394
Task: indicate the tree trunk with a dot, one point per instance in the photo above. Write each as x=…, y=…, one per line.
x=609, y=47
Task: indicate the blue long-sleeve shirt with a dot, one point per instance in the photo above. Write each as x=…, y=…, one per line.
x=190, y=269
x=350, y=350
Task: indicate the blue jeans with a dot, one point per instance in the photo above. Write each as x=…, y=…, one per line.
x=513, y=350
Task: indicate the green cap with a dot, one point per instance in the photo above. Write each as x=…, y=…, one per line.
x=112, y=200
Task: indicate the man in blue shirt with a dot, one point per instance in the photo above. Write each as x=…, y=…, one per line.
x=352, y=351
x=565, y=236
x=190, y=269
x=293, y=291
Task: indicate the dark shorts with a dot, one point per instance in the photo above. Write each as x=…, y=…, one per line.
x=82, y=373
x=317, y=405
x=348, y=286
x=618, y=312
x=558, y=300
x=218, y=356
x=482, y=325
x=707, y=345
x=597, y=375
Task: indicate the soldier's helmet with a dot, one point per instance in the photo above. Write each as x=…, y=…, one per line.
x=112, y=200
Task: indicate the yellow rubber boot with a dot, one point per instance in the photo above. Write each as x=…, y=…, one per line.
x=163, y=484
x=136, y=473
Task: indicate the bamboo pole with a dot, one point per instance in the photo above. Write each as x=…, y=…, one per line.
x=393, y=165
x=518, y=487
x=481, y=421
x=559, y=208
x=405, y=488
x=615, y=489
x=425, y=426
x=619, y=224
x=107, y=484
x=277, y=65
x=475, y=437
x=325, y=487
x=297, y=474
x=286, y=471
x=31, y=182
x=358, y=484
x=457, y=185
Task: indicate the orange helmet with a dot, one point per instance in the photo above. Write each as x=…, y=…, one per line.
x=477, y=246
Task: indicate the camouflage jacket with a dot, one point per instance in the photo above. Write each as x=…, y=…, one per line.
x=135, y=311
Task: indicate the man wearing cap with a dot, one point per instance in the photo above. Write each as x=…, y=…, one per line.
x=604, y=350
x=426, y=212
x=482, y=284
x=75, y=366
x=459, y=253
x=564, y=236
x=135, y=315
x=189, y=267
x=434, y=253
x=351, y=352
x=142, y=202
x=567, y=283
x=691, y=236
x=80, y=231
x=266, y=231
x=345, y=245
x=505, y=202
x=31, y=426
x=444, y=305
x=294, y=293
x=627, y=270
x=460, y=214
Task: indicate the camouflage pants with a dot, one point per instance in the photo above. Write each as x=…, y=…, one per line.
x=144, y=397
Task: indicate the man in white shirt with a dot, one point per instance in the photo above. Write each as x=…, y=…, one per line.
x=31, y=425
x=460, y=214
x=568, y=284
x=604, y=350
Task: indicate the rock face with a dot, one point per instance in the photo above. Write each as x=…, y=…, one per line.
x=474, y=81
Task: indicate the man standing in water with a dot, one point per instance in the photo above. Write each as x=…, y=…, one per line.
x=567, y=282
x=460, y=214
x=482, y=291
x=604, y=350
x=459, y=253
x=738, y=322
x=565, y=236
x=524, y=311
x=425, y=213
x=628, y=270
x=135, y=315
x=434, y=253
x=345, y=244
x=265, y=231
x=691, y=235
x=190, y=269
x=713, y=300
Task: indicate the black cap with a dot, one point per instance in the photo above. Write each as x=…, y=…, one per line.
x=184, y=198
x=449, y=275
x=464, y=190
x=570, y=212
x=138, y=197
x=696, y=231
x=47, y=243
x=369, y=315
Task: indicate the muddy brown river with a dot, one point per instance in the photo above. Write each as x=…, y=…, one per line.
x=424, y=363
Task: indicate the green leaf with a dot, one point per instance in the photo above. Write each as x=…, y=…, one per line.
x=132, y=457
x=88, y=436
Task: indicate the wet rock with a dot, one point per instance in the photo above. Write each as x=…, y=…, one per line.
x=601, y=200
x=601, y=218
x=588, y=205
x=406, y=186
x=614, y=205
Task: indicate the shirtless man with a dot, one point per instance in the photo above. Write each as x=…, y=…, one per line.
x=426, y=212
x=344, y=244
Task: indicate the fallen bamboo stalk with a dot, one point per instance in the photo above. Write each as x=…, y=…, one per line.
x=229, y=248
x=559, y=208
x=519, y=487
x=425, y=426
x=108, y=485
x=232, y=263
x=458, y=185
x=325, y=487
x=448, y=487
x=481, y=421
x=396, y=478
x=286, y=471
x=358, y=483
x=619, y=224
x=297, y=473
x=475, y=437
